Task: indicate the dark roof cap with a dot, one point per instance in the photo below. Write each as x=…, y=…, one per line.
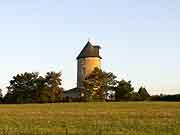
x=89, y=51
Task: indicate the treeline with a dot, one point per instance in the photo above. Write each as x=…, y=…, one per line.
x=169, y=98
x=98, y=86
x=104, y=86
x=33, y=88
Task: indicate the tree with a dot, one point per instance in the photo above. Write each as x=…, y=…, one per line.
x=32, y=88
x=1, y=96
x=22, y=88
x=98, y=83
x=123, y=90
x=134, y=96
x=143, y=93
x=51, y=90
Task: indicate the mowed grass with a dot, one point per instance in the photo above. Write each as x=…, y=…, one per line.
x=126, y=118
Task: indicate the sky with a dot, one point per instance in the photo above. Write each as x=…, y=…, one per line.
x=140, y=39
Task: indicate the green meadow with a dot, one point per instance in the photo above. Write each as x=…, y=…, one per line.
x=124, y=118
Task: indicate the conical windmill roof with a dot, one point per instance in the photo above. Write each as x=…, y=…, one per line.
x=89, y=51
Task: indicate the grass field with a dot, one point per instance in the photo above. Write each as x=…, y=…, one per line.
x=134, y=118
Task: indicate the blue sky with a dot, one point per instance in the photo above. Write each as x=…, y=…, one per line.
x=140, y=39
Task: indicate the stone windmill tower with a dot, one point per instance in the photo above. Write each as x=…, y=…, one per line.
x=88, y=59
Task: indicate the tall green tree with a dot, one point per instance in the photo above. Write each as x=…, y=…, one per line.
x=123, y=90
x=23, y=87
x=98, y=83
x=1, y=96
x=143, y=93
x=51, y=90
